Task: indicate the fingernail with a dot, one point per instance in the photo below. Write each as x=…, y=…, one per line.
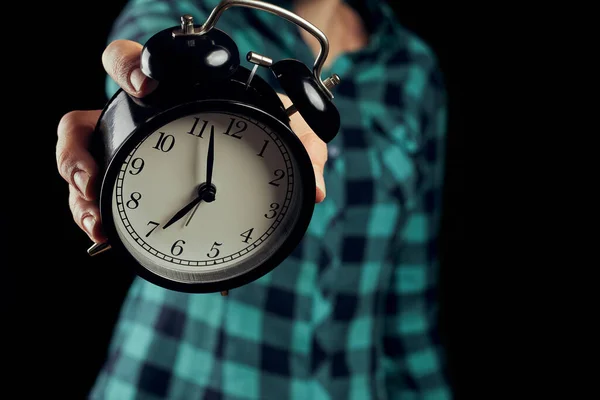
x=88, y=224
x=137, y=79
x=321, y=184
x=81, y=180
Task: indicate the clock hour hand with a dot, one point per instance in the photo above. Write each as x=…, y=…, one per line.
x=181, y=213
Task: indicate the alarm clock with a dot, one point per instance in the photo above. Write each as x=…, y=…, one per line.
x=205, y=187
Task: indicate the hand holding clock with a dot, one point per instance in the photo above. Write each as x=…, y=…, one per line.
x=77, y=167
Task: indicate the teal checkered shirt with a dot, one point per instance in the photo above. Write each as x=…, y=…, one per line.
x=352, y=313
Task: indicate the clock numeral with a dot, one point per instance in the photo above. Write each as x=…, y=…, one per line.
x=279, y=176
x=134, y=200
x=165, y=142
x=262, y=151
x=156, y=224
x=176, y=249
x=246, y=235
x=215, y=249
x=138, y=165
x=205, y=122
x=273, y=211
x=241, y=125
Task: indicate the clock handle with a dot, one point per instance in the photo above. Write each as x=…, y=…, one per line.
x=281, y=12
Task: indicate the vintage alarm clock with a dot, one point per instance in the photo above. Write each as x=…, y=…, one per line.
x=205, y=187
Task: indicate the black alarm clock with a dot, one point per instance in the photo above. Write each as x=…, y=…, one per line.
x=204, y=185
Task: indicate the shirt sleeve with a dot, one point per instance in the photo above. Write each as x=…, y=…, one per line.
x=411, y=332
x=140, y=19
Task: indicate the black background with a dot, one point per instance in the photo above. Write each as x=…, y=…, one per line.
x=61, y=303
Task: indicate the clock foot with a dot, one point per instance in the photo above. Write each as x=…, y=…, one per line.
x=98, y=248
x=224, y=292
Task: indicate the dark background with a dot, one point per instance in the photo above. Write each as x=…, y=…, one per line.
x=62, y=304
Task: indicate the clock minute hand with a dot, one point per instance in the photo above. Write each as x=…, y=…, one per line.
x=210, y=158
x=181, y=213
x=210, y=191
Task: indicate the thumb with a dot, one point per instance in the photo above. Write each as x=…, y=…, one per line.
x=121, y=60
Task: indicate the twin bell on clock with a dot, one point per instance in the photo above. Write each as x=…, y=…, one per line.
x=205, y=187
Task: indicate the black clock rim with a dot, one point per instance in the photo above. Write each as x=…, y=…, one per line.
x=297, y=232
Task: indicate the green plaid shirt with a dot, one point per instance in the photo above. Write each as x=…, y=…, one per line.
x=352, y=313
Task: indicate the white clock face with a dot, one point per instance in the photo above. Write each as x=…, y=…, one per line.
x=254, y=207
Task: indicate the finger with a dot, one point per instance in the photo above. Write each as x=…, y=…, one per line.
x=317, y=151
x=316, y=148
x=86, y=215
x=121, y=60
x=75, y=164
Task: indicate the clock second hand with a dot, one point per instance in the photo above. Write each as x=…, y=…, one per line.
x=192, y=214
